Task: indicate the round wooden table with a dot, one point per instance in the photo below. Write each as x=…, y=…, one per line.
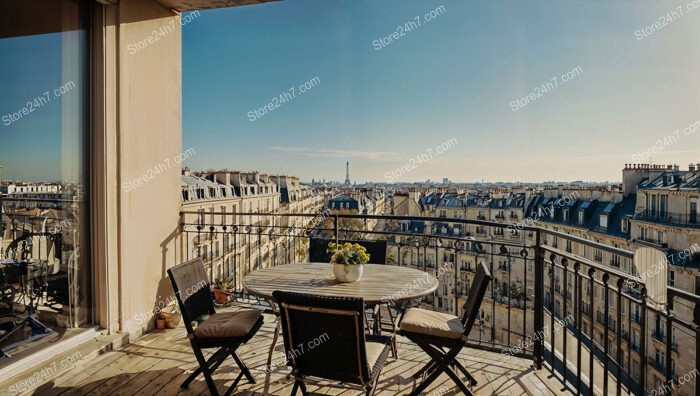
x=380, y=284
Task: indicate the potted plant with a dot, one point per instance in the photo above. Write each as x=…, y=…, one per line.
x=160, y=320
x=172, y=316
x=348, y=261
x=222, y=290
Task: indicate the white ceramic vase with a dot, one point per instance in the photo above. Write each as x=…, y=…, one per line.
x=347, y=273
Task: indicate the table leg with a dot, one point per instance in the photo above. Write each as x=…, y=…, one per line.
x=278, y=328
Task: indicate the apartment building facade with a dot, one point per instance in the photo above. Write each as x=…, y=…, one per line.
x=660, y=199
x=244, y=239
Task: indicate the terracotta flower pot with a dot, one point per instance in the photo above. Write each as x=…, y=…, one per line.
x=160, y=323
x=221, y=296
x=172, y=320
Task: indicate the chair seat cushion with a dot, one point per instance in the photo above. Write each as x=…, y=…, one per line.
x=228, y=324
x=432, y=323
x=374, y=351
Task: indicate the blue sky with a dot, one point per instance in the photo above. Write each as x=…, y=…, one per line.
x=452, y=77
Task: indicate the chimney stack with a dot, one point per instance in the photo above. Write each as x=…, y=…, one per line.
x=691, y=168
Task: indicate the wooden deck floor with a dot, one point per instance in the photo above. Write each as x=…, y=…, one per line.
x=158, y=362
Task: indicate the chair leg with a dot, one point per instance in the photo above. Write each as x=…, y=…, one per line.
x=242, y=366
x=442, y=362
x=465, y=372
x=457, y=380
x=423, y=385
x=205, y=371
x=218, y=356
x=298, y=384
x=423, y=369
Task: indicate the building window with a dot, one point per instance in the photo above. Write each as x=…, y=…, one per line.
x=624, y=224
x=580, y=216
x=566, y=215
x=603, y=221
x=615, y=261
x=662, y=206
x=660, y=237
x=672, y=278
x=44, y=75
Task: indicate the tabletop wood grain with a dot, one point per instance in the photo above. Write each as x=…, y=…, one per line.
x=379, y=283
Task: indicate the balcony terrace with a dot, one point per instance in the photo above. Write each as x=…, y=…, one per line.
x=522, y=343
x=158, y=362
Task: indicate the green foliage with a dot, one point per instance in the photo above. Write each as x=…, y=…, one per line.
x=223, y=283
x=348, y=253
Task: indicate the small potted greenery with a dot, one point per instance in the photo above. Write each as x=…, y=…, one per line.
x=172, y=316
x=160, y=320
x=223, y=288
x=348, y=261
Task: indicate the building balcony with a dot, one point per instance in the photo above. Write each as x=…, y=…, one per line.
x=658, y=365
x=669, y=218
x=658, y=336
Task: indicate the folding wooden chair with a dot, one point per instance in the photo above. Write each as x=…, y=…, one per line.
x=324, y=337
x=225, y=331
x=442, y=336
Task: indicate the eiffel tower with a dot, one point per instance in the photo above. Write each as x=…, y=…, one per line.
x=347, y=173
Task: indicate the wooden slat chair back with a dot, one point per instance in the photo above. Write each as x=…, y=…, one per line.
x=193, y=292
x=475, y=298
x=324, y=337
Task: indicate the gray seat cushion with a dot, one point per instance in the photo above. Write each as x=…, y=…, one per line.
x=228, y=324
x=432, y=323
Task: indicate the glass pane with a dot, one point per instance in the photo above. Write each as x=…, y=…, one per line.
x=44, y=176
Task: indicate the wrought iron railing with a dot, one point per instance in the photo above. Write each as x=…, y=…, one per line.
x=690, y=219
x=525, y=312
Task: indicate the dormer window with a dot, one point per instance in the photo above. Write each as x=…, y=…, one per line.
x=603, y=221
x=566, y=215
x=624, y=224
x=580, y=216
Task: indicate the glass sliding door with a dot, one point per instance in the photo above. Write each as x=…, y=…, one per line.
x=44, y=155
